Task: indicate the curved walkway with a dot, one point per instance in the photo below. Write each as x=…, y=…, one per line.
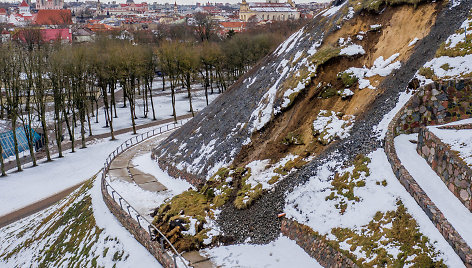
x=424, y=201
x=121, y=167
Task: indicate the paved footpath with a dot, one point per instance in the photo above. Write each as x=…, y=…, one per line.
x=49, y=201
x=122, y=168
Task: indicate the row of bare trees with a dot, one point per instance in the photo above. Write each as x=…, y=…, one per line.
x=59, y=89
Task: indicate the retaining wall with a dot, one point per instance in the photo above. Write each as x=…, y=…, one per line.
x=137, y=231
x=314, y=245
x=436, y=104
x=452, y=170
x=410, y=119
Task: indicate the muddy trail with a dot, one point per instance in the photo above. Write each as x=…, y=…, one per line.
x=259, y=222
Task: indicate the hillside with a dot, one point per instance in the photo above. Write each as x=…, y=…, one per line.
x=302, y=133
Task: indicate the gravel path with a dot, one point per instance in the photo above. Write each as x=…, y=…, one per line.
x=260, y=222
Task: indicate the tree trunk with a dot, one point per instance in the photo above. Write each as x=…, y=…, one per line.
x=2, y=164
x=29, y=138
x=189, y=94
x=15, y=143
x=45, y=131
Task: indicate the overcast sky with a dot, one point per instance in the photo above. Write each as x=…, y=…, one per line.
x=187, y=2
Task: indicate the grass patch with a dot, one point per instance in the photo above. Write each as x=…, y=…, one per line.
x=391, y=229
x=329, y=126
x=445, y=67
x=174, y=215
x=67, y=237
x=427, y=72
x=343, y=185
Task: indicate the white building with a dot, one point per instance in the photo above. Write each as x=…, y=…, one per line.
x=269, y=10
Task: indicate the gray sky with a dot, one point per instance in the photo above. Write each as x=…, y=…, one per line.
x=187, y=1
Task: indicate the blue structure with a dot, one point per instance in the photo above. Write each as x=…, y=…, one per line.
x=8, y=145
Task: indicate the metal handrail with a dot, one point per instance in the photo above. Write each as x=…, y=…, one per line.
x=120, y=149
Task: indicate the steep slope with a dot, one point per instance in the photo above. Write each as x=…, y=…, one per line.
x=217, y=133
x=328, y=94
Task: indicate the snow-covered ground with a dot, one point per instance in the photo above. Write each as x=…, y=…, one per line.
x=43, y=238
x=455, y=212
x=48, y=178
x=308, y=204
x=162, y=107
x=282, y=252
x=459, y=140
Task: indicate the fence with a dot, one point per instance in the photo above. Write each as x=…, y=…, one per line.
x=154, y=233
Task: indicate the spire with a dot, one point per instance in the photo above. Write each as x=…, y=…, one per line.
x=24, y=4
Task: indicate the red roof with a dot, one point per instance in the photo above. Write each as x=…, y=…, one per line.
x=46, y=35
x=5, y=32
x=24, y=4
x=3, y=11
x=233, y=24
x=54, y=17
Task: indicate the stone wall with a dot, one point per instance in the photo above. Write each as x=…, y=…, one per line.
x=405, y=122
x=315, y=245
x=137, y=231
x=452, y=170
x=436, y=104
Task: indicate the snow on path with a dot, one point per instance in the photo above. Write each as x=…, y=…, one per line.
x=146, y=201
x=282, y=252
x=147, y=165
x=454, y=211
x=33, y=184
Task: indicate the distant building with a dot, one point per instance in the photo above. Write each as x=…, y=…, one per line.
x=236, y=26
x=4, y=36
x=53, y=17
x=129, y=8
x=49, y=4
x=24, y=9
x=83, y=35
x=269, y=10
x=3, y=15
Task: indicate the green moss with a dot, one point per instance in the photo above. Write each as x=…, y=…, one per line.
x=427, y=72
x=325, y=54
x=328, y=92
x=445, y=67
x=273, y=180
x=292, y=138
x=348, y=78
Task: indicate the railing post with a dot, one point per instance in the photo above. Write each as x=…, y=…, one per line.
x=175, y=261
x=137, y=218
x=128, y=210
x=119, y=199
x=113, y=194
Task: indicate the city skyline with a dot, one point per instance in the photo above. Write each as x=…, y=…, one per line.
x=184, y=2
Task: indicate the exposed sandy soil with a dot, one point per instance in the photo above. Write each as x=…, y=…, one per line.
x=400, y=25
